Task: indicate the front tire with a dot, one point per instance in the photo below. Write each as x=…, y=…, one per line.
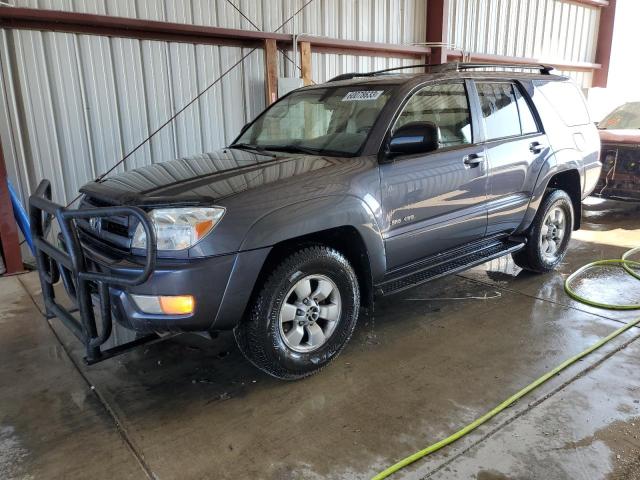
x=549, y=235
x=303, y=315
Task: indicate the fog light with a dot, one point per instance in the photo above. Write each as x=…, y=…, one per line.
x=165, y=304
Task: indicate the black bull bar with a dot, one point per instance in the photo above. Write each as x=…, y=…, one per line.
x=82, y=280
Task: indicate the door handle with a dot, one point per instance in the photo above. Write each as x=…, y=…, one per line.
x=536, y=147
x=472, y=160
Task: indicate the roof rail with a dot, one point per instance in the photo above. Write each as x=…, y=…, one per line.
x=460, y=66
x=446, y=67
x=349, y=76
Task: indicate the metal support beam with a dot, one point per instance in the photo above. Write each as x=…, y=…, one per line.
x=454, y=55
x=8, y=228
x=122, y=27
x=84, y=23
x=305, y=62
x=603, y=47
x=438, y=29
x=356, y=47
x=271, y=70
x=591, y=3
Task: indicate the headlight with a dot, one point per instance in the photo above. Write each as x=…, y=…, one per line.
x=179, y=228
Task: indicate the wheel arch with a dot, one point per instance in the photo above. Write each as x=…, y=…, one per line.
x=569, y=181
x=345, y=223
x=345, y=239
x=566, y=178
x=316, y=217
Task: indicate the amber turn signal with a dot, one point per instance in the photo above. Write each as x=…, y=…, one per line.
x=177, y=305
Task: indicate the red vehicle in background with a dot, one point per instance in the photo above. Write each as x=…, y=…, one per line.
x=620, y=138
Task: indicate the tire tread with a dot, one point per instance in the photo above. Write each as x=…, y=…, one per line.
x=529, y=257
x=249, y=335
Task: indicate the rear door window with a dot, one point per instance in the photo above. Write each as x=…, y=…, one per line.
x=505, y=111
x=499, y=110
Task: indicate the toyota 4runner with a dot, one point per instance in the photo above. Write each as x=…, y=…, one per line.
x=337, y=193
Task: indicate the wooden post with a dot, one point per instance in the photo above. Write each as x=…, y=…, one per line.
x=437, y=28
x=271, y=70
x=305, y=67
x=305, y=61
x=8, y=227
x=603, y=47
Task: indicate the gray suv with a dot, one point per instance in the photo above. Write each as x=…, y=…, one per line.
x=336, y=194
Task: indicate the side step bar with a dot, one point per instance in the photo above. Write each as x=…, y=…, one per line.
x=455, y=261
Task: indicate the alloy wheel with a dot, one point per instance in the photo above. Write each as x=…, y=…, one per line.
x=310, y=313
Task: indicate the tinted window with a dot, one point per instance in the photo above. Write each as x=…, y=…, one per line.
x=446, y=105
x=527, y=120
x=499, y=109
x=506, y=112
x=567, y=101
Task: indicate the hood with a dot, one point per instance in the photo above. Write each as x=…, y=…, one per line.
x=626, y=136
x=203, y=178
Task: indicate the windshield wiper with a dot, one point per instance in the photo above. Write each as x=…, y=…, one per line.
x=251, y=148
x=292, y=149
x=307, y=150
x=268, y=149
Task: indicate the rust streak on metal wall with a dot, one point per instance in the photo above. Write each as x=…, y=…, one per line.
x=603, y=47
x=8, y=227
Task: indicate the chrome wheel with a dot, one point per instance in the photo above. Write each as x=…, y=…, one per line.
x=552, y=233
x=310, y=313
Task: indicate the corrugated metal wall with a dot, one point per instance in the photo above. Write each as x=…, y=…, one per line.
x=549, y=29
x=72, y=105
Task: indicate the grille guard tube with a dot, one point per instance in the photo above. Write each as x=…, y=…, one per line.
x=69, y=261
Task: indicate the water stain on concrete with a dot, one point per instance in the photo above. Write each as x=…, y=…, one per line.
x=623, y=439
x=492, y=475
x=413, y=374
x=12, y=455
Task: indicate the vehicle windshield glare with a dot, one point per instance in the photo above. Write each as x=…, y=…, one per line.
x=331, y=121
x=625, y=117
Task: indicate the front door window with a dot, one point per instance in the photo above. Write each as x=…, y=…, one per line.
x=444, y=105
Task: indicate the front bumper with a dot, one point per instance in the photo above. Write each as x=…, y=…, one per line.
x=620, y=177
x=98, y=277
x=221, y=287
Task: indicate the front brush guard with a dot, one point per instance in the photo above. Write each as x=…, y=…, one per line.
x=81, y=281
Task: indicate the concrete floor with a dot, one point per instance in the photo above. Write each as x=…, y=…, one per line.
x=432, y=360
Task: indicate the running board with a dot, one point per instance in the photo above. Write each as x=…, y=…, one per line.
x=455, y=261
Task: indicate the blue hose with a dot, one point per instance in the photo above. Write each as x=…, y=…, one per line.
x=20, y=214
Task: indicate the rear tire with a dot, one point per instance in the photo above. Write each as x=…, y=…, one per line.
x=549, y=235
x=303, y=315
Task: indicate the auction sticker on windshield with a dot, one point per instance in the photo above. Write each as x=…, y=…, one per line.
x=362, y=95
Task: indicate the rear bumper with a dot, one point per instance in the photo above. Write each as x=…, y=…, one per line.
x=591, y=175
x=221, y=287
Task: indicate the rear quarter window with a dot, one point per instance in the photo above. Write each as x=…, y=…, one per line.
x=567, y=101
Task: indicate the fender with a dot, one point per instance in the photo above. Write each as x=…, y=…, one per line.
x=316, y=215
x=560, y=161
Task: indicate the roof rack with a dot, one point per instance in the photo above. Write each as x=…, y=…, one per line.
x=446, y=67
x=460, y=66
x=349, y=76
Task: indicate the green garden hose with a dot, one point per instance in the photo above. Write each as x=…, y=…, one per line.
x=628, y=266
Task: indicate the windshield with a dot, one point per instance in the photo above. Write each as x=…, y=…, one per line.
x=624, y=117
x=323, y=121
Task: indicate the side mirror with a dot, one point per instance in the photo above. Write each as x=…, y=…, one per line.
x=414, y=137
